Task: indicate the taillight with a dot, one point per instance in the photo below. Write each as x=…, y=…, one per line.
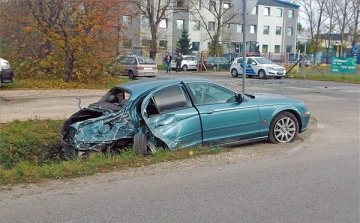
x=154, y=68
x=206, y=63
x=140, y=68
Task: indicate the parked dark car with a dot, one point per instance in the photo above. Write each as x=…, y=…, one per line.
x=212, y=63
x=178, y=111
x=6, y=74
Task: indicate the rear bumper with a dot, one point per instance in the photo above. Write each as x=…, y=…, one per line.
x=6, y=75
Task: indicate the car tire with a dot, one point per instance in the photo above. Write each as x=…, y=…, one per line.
x=262, y=74
x=140, y=143
x=214, y=68
x=234, y=73
x=283, y=128
x=131, y=74
x=185, y=68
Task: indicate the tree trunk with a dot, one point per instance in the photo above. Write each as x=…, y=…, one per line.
x=70, y=67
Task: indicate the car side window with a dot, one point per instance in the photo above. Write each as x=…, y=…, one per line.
x=249, y=61
x=132, y=60
x=239, y=60
x=170, y=99
x=207, y=93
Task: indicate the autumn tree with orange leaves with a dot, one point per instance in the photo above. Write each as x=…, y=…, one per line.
x=74, y=39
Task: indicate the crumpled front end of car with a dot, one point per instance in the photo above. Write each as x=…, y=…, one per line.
x=91, y=130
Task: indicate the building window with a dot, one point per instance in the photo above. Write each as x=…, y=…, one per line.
x=291, y=13
x=126, y=20
x=195, y=46
x=277, y=48
x=266, y=30
x=227, y=25
x=180, y=24
x=265, y=49
x=179, y=3
x=145, y=21
x=267, y=11
x=163, y=23
x=212, y=5
x=289, y=49
x=239, y=28
x=196, y=25
x=211, y=26
x=278, y=30
x=163, y=44
x=227, y=5
x=290, y=31
x=253, y=28
x=127, y=43
x=254, y=11
x=279, y=12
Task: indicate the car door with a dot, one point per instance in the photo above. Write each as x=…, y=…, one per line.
x=223, y=119
x=171, y=117
x=249, y=67
x=193, y=62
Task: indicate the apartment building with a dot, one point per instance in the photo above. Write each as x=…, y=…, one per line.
x=271, y=27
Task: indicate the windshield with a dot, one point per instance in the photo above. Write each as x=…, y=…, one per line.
x=264, y=61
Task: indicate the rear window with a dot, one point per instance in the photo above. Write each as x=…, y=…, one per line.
x=146, y=60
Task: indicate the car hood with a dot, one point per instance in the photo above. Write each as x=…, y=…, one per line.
x=93, y=129
x=269, y=98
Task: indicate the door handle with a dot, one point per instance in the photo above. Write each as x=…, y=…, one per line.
x=157, y=126
x=209, y=112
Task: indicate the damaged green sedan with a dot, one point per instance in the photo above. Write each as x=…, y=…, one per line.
x=178, y=112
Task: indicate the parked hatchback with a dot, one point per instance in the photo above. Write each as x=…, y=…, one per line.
x=188, y=63
x=6, y=74
x=138, y=66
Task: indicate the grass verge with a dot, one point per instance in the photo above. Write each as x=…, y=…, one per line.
x=27, y=155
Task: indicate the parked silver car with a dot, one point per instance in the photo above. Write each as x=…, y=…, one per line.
x=188, y=63
x=138, y=66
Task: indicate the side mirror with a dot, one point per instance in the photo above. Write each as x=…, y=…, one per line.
x=253, y=63
x=239, y=98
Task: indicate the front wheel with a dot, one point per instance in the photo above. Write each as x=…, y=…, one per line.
x=234, y=73
x=262, y=74
x=283, y=128
x=185, y=68
x=131, y=75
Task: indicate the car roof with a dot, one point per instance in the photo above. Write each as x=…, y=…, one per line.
x=138, y=87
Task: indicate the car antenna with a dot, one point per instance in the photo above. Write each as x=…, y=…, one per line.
x=79, y=103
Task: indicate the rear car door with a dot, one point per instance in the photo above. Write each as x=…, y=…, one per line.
x=223, y=119
x=171, y=117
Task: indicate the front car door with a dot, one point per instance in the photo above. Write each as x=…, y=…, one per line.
x=171, y=117
x=223, y=119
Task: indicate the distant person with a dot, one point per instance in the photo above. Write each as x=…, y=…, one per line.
x=167, y=62
x=179, y=59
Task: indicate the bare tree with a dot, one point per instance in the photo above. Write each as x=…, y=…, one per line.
x=343, y=17
x=222, y=17
x=315, y=17
x=355, y=5
x=156, y=11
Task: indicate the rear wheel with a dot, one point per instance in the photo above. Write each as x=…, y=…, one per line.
x=215, y=68
x=283, y=128
x=131, y=75
x=234, y=73
x=140, y=143
x=185, y=68
x=262, y=74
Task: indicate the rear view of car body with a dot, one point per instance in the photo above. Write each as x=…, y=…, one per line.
x=138, y=66
x=6, y=74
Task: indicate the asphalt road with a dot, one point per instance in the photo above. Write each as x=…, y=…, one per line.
x=316, y=180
